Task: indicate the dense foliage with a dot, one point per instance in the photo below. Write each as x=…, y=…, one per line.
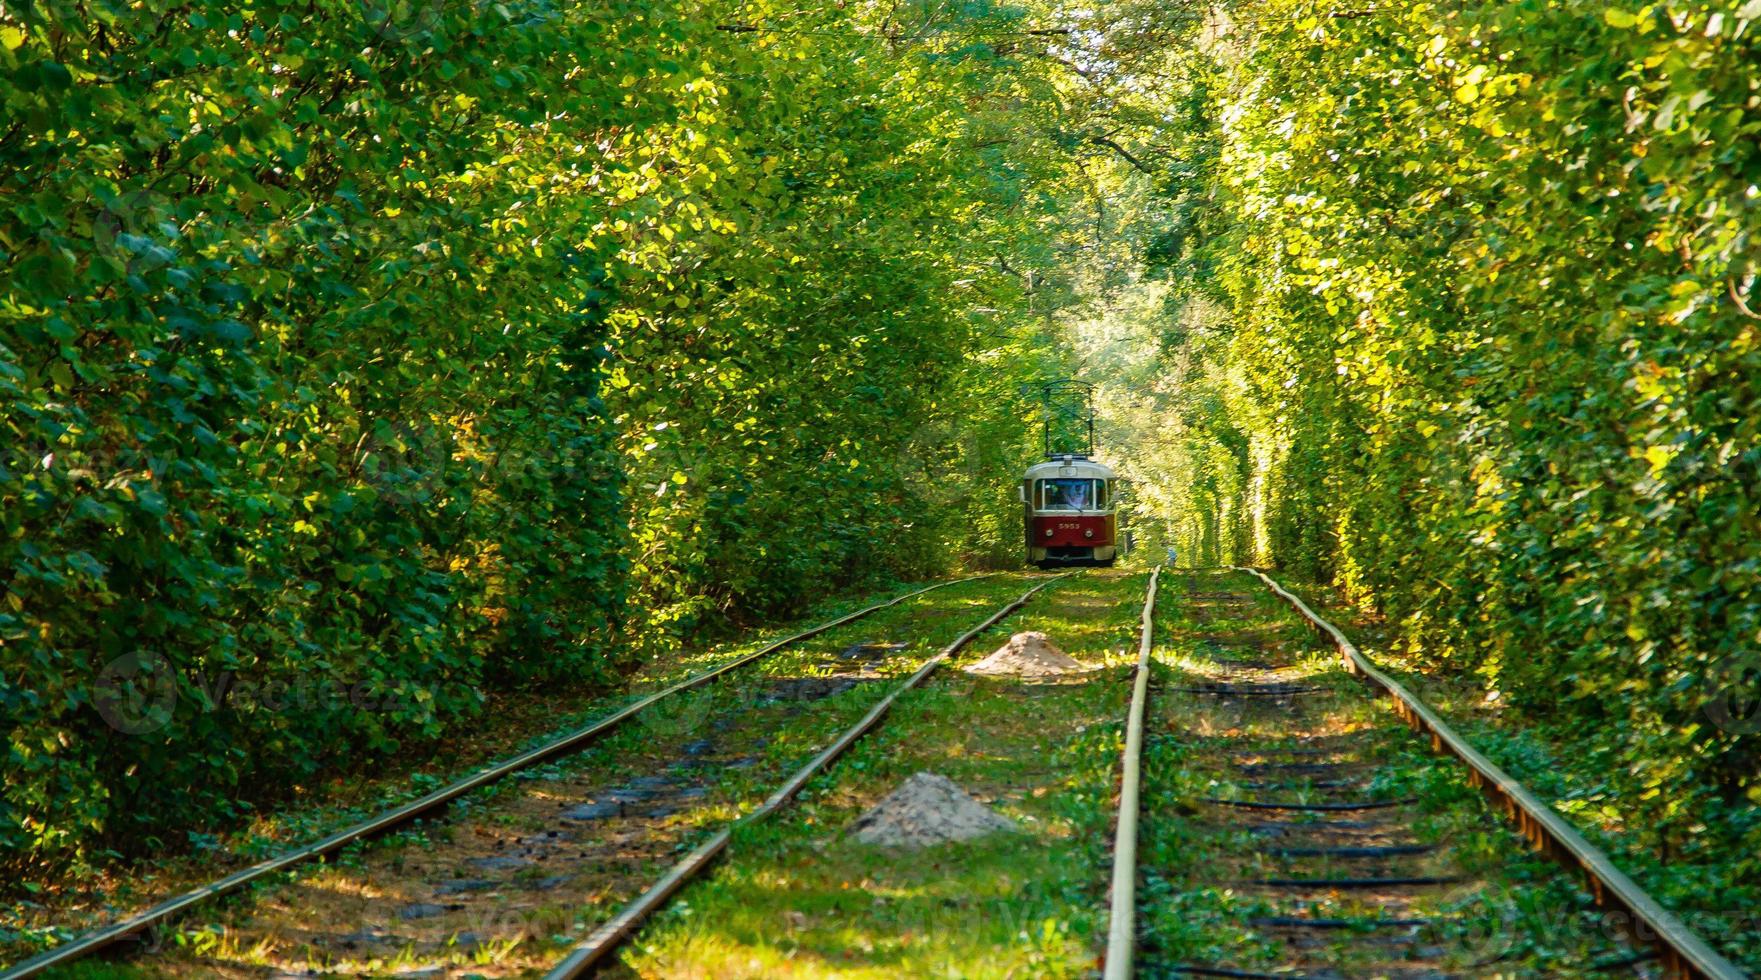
x=1464, y=319
x=361, y=359
x=380, y=356
x=796, y=398
x=300, y=374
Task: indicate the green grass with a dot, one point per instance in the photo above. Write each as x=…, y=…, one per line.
x=797, y=897
x=1570, y=767
x=1515, y=915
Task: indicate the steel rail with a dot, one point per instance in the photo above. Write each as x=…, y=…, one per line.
x=92, y=941
x=609, y=936
x=1684, y=952
x=1122, y=918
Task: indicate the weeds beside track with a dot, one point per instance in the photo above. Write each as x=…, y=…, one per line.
x=166, y=912
x=1297, y=831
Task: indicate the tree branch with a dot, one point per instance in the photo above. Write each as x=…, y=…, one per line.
x=1025, y=277
x=1116, y=148
x=1730, y=284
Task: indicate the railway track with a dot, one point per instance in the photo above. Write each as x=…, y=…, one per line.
x=1122, y=896
x=593, y=951
x=433, y=803
x=1339, y=856
x=1337, y=862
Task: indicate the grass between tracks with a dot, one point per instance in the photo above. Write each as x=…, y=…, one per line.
x=1569, y=769
x=68, y=907
x=797, y=897
x=1512, y=913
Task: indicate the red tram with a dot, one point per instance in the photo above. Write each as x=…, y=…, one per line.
x=1068, y=499
x=1069, y=513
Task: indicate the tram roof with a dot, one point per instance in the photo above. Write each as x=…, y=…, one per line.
x=1076, y=467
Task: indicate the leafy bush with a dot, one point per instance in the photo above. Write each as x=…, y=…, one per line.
x=336, y=334
x=298, y=398
x=1488, y=331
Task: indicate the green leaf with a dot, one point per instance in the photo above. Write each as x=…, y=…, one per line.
x=54, y=75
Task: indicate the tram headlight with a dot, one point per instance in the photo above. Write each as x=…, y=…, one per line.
x=1089, y=533
x=1048, y=532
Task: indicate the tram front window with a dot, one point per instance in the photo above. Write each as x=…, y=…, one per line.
x=1067, y=494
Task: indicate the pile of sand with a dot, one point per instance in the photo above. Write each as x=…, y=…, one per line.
x=1028, y=655
x=927, y=809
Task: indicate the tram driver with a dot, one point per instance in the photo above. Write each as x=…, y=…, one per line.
x=1071, y=494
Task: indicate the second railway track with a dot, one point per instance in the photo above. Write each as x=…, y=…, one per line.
x=1274, y=819
x=1293, y=827
x=343, y=915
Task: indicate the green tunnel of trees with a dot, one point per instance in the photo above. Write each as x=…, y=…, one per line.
x=437, y=349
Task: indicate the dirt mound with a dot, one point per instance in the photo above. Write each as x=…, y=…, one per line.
x=1028, y=655
x=925, y=810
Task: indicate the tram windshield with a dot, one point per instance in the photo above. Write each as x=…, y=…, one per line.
x=1072, y=494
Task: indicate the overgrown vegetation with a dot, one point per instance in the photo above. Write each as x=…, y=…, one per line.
x=361, y=358
x=1451, y=305
x=371, y=356
x=1507, y=910
x=798, y=894
x=301, y=387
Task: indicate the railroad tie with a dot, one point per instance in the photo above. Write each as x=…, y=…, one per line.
x=1228, y=691
x=1286, y=826
x=1391, y=850
x=1354, y=883
x=1298, y=922
x=1316, y=807
x=1294, y=766
x=1223, y=971
x=1316, y=784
